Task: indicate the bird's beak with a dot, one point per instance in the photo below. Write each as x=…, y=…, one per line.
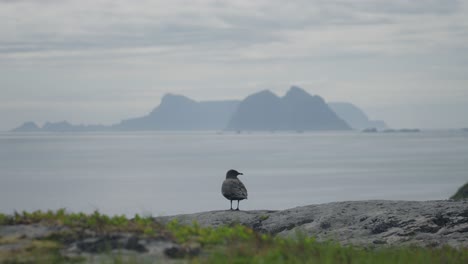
x=240, y=173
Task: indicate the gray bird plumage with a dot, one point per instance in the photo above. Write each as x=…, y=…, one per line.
x=233, y=189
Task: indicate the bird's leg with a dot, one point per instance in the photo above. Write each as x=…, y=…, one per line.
x=237, y=205
x=231, y=205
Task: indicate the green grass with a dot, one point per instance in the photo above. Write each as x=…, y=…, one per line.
x=462, y=193
x=226, y=244
x=264, y=217
x=307, y=250
x=95, y=221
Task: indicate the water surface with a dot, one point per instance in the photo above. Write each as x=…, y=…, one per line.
x=167, y=173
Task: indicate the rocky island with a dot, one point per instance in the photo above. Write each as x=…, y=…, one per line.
x=296, y=111
x=355, y=117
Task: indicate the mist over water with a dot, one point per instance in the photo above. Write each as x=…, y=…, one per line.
x=168, y=173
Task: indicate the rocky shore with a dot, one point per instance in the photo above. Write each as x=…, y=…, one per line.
x=362, y=223
x=427, y=223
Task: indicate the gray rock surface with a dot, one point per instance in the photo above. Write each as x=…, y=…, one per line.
x=33, y=231
x=130, y=246
x=95, y=247
x=367, y=223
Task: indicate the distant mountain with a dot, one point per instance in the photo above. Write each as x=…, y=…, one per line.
x=297, y=111
x=355, y=117
x=256, y=112
x=62, y=126
x=177, y=112
x=27, y=127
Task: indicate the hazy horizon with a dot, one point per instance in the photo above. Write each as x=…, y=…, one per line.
x=101, y=61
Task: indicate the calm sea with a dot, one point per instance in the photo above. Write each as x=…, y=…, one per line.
x=168, y=173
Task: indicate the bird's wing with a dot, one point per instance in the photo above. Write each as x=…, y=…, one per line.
x=242, y=190
x=234, y=189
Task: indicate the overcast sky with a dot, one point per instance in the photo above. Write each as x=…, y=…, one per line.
x=100, y=61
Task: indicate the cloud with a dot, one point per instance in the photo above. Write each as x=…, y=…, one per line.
x=410, y=7
x=79, y=27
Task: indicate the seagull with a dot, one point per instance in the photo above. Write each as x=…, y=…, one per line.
x=233, y=188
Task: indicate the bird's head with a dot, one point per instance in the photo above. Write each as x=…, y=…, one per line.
x=232, y=174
